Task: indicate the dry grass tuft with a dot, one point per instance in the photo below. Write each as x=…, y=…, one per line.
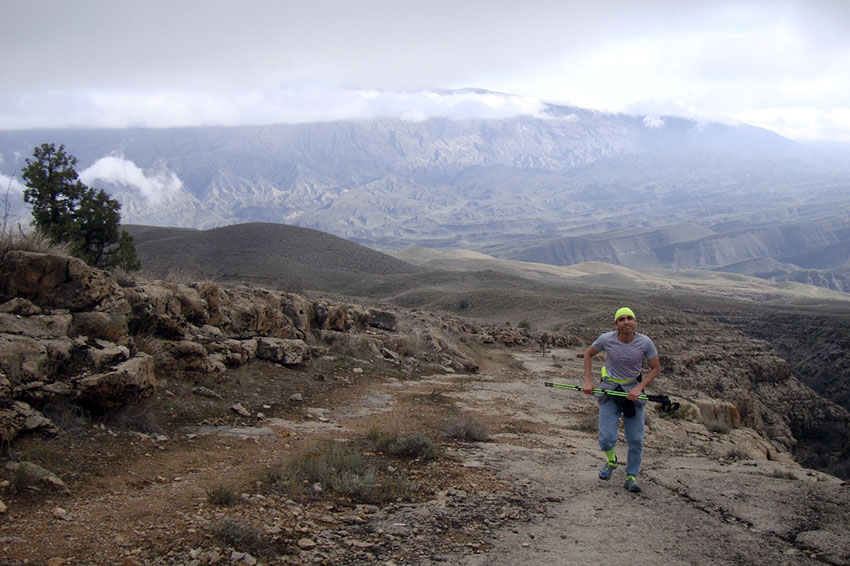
x=139, y=416
x=30, y=241
x=336, y=468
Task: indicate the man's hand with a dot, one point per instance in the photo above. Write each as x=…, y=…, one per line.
x=633, y=394
x=588, y=367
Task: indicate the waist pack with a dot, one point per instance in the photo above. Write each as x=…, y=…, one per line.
x=627, y=406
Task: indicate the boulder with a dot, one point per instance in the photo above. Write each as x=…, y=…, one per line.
x=174, y=357
x=246, y=313
x=282, y=351
x=299, y=310
x=5, y=390
x=36, y=326
x=128, y=381
x=192, y=306
x=238, y=352
x=18, y=416
x=104, y=354
x=719, y=411
x=213, y=296
x=383, y=320
x=156, y=311
x=20, y=306
x=28, y=359
x=111, y=326
x=337, y=318
x=30, y=476
x=54, y=281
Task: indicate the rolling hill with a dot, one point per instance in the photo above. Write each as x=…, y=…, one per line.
x=272, y=255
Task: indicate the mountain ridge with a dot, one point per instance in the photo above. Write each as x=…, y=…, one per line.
x=507, y=187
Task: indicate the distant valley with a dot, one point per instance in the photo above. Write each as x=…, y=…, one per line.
x=564, y=188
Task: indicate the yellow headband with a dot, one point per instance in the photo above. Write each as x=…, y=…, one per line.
x=624, y=311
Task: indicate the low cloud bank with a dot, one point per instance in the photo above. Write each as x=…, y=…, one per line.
x=154, y=187
x=291, y=103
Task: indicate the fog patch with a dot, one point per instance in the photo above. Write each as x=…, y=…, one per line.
x=154, y=186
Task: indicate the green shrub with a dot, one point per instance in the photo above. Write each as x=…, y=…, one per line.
x=467, y=429
x=222, y=495
x=338, y=469
x=139, y=416
x=243, y=537
x=416, y=445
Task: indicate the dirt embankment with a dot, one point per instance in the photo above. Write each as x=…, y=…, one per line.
x=530, y=495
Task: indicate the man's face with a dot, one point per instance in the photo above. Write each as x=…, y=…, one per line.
x=626, y=323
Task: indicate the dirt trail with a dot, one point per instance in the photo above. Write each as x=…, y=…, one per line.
x=694, y=509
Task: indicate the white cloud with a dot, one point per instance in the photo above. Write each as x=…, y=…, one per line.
x=803, y=124
x=14, y=211
x=719, y=71
x=161, y=63
x=155, y=187
x=653, y=122
x=11, y=185
x=296, y=103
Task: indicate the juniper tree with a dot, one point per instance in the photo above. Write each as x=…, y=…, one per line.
x=66, y=211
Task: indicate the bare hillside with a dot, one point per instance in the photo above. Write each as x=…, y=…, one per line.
x=275, y=255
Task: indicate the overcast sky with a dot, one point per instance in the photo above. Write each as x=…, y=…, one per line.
x=779, y=64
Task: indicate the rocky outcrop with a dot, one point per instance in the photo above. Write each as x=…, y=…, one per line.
x=63, y=332
x=54, y=281
x=68, y=330
x=738, y=380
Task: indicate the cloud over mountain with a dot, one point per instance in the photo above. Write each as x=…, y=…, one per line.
x=156, y=187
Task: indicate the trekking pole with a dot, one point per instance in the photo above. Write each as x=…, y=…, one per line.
x=667, y=406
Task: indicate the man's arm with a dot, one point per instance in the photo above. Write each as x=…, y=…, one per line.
x=588, y=369
x=654, y=370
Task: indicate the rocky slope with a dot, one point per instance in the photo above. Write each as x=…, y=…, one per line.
x=284, y=371
x=70, y=331
x=207, y=489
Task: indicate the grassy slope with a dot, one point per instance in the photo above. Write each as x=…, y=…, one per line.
x=273, y=255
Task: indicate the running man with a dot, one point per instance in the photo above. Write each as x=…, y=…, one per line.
x=625, y=350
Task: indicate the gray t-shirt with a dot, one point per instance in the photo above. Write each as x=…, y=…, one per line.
x=625, y=361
